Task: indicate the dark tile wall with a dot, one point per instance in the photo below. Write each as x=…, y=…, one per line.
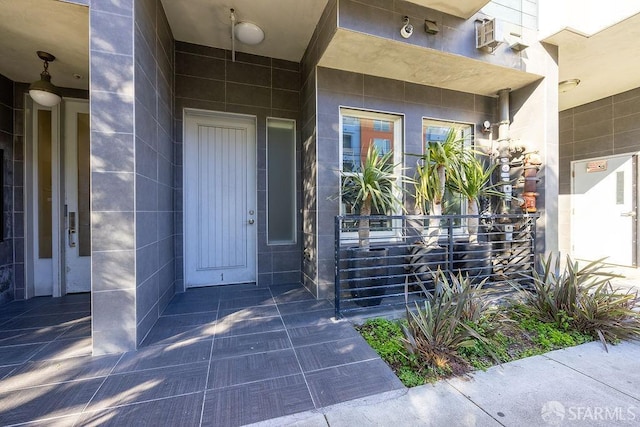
x=7, y=274
x=336, y=89
x=325, y=29
x=154, y=164
x=601, y=128
x=206, y=78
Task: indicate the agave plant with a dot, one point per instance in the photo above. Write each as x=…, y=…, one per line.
x=584, y=298
x=472, y=180
x=437, y=329
x=374, y=185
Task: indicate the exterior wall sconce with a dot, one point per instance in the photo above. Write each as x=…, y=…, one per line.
x=407, y=28
x=43, y=91
x=431, y=27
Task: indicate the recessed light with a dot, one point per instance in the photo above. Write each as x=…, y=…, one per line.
x=76, y=76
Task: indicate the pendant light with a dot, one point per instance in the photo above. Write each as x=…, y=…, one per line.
x=43, y=91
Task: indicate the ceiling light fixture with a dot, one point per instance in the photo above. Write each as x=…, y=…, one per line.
x=43, y=91
x=567, y=85
x=248, y=33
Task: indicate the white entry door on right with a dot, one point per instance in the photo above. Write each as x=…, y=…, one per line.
x=604, y=209
x=220, y=212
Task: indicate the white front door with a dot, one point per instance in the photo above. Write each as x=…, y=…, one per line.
x=77, y=190
x=220, y=211
x=604, y=209
x=58, y=197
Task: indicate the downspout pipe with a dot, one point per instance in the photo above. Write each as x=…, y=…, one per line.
x=503, y=149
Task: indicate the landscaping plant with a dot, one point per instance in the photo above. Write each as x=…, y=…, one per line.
x=439, y=328
x=582, y=299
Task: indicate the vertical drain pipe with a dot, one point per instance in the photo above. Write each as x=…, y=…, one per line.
x=503, y=150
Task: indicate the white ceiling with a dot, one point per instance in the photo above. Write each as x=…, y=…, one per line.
x=461, y=8
x=61, y=29
x=288, y=24
x=606, y=62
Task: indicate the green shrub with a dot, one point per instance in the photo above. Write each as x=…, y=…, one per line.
x=438, y=330
x=582, y=299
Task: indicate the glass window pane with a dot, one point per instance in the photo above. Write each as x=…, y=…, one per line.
x=84, y=186
x=281, y=179
x=45, y=245
x=359, y=132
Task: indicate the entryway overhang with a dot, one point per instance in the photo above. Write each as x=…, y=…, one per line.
x=461, y=8
x=363, y=53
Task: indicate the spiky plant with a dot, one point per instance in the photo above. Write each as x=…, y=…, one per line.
x=432, y=170
x=374, y=185
x=582, y=298
x=438, y=328
x=472, y=180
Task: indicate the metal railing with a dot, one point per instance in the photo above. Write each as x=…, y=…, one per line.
x=405, y=250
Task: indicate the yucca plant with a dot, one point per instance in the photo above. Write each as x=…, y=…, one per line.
x=374, y=185
x=582, y=298
x=438, y=328
x=472, y=180
x=432, y=171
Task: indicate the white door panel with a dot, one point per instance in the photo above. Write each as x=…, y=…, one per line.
x=220, y=199
x=77, y=193
x=603, y=209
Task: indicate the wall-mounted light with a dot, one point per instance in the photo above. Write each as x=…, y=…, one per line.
x=407, y=28
x=567, y=85
x=43, y=91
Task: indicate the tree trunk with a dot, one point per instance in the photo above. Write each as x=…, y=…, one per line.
x=363, y=227
x=472, y=223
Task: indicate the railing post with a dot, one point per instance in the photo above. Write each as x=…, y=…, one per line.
x=337, y=266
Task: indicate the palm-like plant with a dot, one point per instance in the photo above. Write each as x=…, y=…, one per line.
x=472, y=180
x=432, y=172
x=374, y=185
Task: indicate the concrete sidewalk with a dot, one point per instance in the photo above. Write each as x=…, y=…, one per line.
x=582, y=386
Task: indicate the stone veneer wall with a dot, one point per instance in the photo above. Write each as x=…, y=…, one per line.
x=206, y=78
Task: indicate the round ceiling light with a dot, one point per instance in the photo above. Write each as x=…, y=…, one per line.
x=248, y=33
x=567, y=85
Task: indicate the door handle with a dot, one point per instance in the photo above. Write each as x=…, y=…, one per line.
x=251, y=221
x=631, y=214
x=72, y=229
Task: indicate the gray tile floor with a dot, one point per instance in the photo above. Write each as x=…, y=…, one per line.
x=219, y=356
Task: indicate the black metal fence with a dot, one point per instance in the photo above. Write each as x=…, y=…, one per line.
x=406, y=250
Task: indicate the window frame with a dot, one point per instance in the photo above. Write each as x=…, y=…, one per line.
x=398, y=121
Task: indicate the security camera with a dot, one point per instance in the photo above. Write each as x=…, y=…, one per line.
x=407, y=28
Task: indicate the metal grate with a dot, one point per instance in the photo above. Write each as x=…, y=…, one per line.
x=407, y=249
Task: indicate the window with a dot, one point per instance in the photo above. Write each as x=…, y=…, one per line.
x=281, y=182
x=436, y=131
x=359, y=131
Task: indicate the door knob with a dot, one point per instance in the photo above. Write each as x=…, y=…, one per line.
x=631, y=213
x=251, y=221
